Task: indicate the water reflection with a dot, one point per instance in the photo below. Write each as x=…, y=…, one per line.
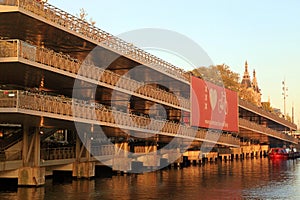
x=252, y=178
x=31, y=193
x=282, y=180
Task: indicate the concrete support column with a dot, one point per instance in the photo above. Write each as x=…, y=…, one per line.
x=37, y=148
x=25, y=144
x=77, y=148
x=31, y=174
x=31, y=148
x=88, y=148
x=121, y=162
x=126, y=149
x=83, y=167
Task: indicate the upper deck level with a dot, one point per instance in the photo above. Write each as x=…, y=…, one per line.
x=255, y=123
x=50, y=30
x=260, y=116
x=35, y=60
x=46, y=25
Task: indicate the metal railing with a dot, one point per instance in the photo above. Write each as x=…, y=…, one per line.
x=17, y=48
x=58, y=153
x=8, y=48
x=10, y=155
x=100, y=37
x=273, y=117
x=103, y=150
x=259, y=128
x=78, y=109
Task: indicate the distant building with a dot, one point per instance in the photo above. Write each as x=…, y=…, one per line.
x=250, y=90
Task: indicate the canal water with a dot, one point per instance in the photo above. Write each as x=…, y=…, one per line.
x=258, y=178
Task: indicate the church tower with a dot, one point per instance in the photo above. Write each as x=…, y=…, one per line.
x=246, y=82
x=256, y=89
x=250, y=89
x=254, y=83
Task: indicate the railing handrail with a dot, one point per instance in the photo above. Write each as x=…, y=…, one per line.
x=10, y=155
x=57, y=153
x=82, y=109
x=265, y=113
x=66, y=63
x=255, y=126
x=99, y=36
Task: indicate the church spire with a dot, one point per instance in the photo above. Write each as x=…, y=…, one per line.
x=254, y=82
x=250, y=88
x=246, y=78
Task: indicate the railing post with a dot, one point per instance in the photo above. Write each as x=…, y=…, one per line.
x=17, y=99
x=18, y=48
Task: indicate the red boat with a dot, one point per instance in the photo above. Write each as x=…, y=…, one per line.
x=278, y=153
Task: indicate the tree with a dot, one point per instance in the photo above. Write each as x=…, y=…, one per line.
x=267, y=106
x=247, y=94
x=230, y=78
x=219, y=75
x=222, y=75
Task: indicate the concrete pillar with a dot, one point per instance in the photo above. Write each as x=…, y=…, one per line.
x=77, y=147
x=242, y=156
x=88, y=149
x=31, y=174
x=126, y=149
x=121, y=162
x=83, y=167
x=25, y=144
x=37, y=148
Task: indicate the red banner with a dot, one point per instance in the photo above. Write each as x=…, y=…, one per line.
x=213, y=106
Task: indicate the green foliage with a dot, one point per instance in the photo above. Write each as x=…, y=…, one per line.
x=267, y=106
x=222, y=75
x=219, y=75
x=247, y=94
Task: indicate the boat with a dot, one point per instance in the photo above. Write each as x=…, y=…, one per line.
x=278, y=153
x=283, y=153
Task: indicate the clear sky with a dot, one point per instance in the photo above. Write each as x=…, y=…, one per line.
x=266, y=33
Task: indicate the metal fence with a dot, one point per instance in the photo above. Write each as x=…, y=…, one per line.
x=100, y=37
x=265, y=130
x=267, y=114
x=10, y=155
x=78, y=109
x=17, y=48
x=58, y=153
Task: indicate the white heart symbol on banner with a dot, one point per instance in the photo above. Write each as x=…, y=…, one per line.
x=213, y=96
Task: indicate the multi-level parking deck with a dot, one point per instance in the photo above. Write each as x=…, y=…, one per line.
x=125, y=90
x=264, y=126
x=45, y=26
x=43, y=50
